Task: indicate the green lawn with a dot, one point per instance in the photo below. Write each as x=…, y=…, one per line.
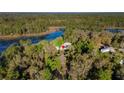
x=58, y=42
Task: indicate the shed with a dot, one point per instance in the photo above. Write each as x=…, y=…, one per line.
x=107, y=49
x=121, y=62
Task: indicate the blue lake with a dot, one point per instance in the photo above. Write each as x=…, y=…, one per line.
x=4, y=44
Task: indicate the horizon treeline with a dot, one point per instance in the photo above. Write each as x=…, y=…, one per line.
x=26, y=24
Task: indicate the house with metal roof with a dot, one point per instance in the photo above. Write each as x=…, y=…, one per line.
x=65, y=46
x=105, y=49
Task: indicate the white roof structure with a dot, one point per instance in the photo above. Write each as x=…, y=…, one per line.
x=65, y=46
x=122, y=62
x=107, y=49
x=57, y=48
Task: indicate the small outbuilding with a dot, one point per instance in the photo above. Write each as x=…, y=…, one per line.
x=121, y=62
x=105, y=49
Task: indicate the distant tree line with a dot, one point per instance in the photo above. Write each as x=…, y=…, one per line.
x=26, y=24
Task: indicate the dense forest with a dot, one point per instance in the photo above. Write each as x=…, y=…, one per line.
x=21, y=24
x=82, y=61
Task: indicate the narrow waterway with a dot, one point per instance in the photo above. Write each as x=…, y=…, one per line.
x=4, y=44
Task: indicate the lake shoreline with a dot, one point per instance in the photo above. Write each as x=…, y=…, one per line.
x=11, y=37
x=34, y=38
